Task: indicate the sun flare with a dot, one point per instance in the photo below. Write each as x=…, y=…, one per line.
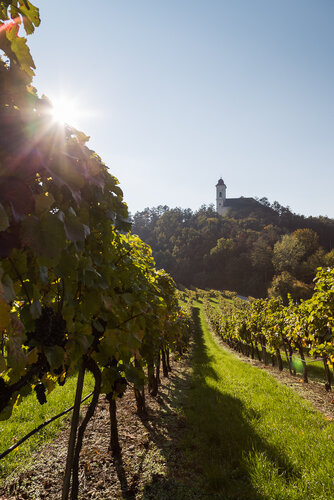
x=65, y=110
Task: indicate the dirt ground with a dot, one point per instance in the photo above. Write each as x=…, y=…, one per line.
x=151, y=456
x=153, y=465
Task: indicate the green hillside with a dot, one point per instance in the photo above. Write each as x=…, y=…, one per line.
x=254, y=247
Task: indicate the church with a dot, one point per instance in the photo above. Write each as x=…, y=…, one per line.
x=223, y=204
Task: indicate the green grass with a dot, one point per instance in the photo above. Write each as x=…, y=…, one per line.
x=28, y=415
x=250, y=437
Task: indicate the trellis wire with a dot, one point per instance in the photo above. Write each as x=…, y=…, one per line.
x=34, y=431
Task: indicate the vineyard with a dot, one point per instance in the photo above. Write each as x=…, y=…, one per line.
x=266, y=328
x=82, y=305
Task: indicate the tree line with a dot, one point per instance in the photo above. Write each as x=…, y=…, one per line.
x=257, y=249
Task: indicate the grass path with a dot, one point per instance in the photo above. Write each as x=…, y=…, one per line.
x=249, y=436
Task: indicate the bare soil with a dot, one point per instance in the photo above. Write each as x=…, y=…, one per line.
x=151, y=466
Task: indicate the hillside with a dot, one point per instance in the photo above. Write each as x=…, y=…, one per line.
x=256, y=246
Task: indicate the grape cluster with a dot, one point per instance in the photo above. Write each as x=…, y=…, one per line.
x=61, y=381
x=62, y=370
x=5, y=394
x=49, y=329
x=40, y=393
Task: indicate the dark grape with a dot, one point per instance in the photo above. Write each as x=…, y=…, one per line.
x=59, y=370
x=62, y=371
x=49, y=329
x=40, y=393
x=61, y=381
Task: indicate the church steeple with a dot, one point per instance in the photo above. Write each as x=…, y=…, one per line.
x=221, y=196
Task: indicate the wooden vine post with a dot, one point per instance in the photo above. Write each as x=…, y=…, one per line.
x=73, y=434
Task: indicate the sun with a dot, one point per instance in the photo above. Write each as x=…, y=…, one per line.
x=65, y=110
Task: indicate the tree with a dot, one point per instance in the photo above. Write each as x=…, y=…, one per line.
x=308, y=239
x=285, y=284
x=287, y=254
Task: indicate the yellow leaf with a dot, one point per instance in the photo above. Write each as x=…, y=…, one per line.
x=33, y=356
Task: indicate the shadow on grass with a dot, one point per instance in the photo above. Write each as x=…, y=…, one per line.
x=208, y=450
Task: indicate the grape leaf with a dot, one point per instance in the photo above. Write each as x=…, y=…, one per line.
x=55, y=356
x=21, y=50
x=45, y=236
x=8, y=241
x=18, y=195
x=8, y=288
x=35, y=309
x=16, y=358
x=74, y=230
x=43, y=202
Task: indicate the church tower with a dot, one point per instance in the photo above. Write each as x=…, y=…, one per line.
x=221, y=196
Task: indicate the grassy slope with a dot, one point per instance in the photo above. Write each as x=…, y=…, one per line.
x=28, y=415
x=250, y=437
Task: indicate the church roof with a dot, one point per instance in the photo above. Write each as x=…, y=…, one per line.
x=220, y=182
x=244, y=207
x=239, y=202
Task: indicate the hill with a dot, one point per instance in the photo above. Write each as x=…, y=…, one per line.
x=256, y=246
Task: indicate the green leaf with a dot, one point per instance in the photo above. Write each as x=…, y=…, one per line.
x=30, y=15
x=43, y=203
x=67, y=265
x=35, y=309
x=4, y=314
x=55, y=356
x=98, y=326
x=109, y=376
x=30, y=12
x=21, y=50
x=45, y=236
x=135, y=376
x=44, y=274
x=8, y=288
x=74, y=229
x=16, y=358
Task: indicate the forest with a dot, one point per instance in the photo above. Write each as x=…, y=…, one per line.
x=259, y=248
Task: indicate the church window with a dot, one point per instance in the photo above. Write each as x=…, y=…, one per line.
x=220, y=194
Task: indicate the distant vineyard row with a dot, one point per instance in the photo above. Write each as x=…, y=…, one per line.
x=266, y=327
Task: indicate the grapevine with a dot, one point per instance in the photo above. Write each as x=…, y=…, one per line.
x=77, y=290
x=304, y=329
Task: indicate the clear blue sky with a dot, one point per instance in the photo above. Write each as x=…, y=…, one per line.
x=178, y=93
